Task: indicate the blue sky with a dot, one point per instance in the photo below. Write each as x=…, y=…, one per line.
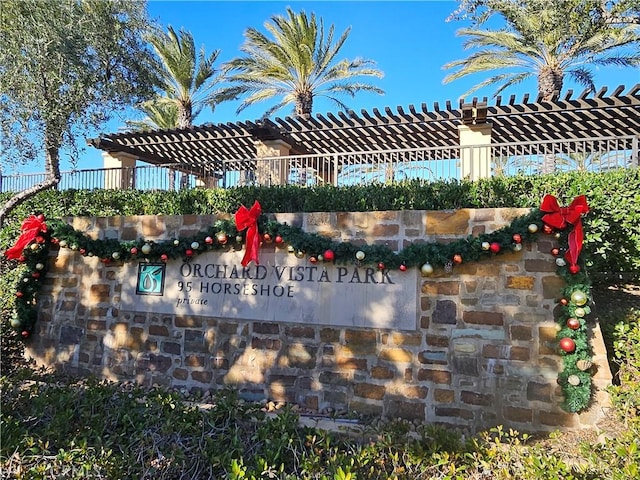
x=409, y=40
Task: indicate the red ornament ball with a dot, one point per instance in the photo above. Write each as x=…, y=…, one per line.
x=189, y=252
x=25, y=334
x=329, y=256
x=573, y=269
x=40, y=217
x=517, y=238
x=55, y=241
x=403, y=268
x=208, y=240
x=313, y=259
x=222, y=238
x=134, y=251
x=564, y=301
x=39, y=239
x=573, y=323
x=19, y=294
x=267, y=238
x=567, y=345
x=457, y=258
x=555, y=252
x=380, y=266
x=547, y=229
x=494, y=247
x=164, y=257
x=35, y=274
x=278, y=239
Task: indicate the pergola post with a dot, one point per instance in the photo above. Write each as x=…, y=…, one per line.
x=270, y=170
x=475, y=151
x=120, y=170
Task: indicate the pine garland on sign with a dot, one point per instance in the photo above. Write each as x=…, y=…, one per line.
x=573, y=340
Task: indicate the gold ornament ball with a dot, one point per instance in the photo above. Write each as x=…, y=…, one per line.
x=115, y=255
x=517, y=247
x=176, y=242
x=533, y=228
x=360, y=255
x=15, y=322
x=299, y=254
x=39, y=266
x=290, y=249
x=426, y=270
x=486, y=245
x=63, y=243
x=574, y=380
x=579, y=297
x=580, y=312
x=146, y=249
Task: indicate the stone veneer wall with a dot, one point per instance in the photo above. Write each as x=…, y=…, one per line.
x=483, y=353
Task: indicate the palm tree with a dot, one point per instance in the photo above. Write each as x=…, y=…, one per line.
x=297, y=65
x=187, y=77
x=550, y=40
x=159, y=115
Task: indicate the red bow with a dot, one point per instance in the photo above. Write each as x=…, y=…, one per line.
x=558, y=217
x=31, y=227
x=249, y=219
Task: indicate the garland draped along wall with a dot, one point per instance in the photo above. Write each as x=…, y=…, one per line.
x=249, y=228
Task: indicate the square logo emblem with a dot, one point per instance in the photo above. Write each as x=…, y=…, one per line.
x=150, y=279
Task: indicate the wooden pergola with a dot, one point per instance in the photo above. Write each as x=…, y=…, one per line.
x=588, y=115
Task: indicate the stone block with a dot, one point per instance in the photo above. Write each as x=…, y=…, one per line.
x=171, y=347
x=465, y=365
x=433, y=357
x=369, y=391
x=188, y=322
x=521, y=282
x=540, y=392
x=70, y=335
x=516, y=414
x=202, y=377
x=351, y=363
x=300, y=332
x=435, y=376
x=412, y=411
x=448, y=222
x=453, y=412
x=382, y=373
x=443, y=396
x=159, y=330
x=520, y=333
x=474, y=398
x=361, y=341
x=445, y=312
x=266, y=328
x=396, y=355
x=99, y=293
x=483, y=318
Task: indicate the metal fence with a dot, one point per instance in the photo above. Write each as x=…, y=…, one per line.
x=357, y=168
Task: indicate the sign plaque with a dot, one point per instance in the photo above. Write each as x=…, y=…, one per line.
x=282, y=288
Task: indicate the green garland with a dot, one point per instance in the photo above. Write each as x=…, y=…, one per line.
x=575, y=378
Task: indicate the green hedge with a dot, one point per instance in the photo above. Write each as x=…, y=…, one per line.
x=612, y=227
